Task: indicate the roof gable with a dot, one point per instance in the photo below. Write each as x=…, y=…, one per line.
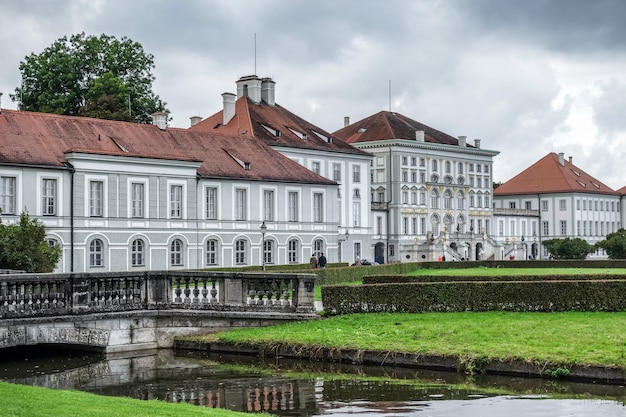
x=553, y=174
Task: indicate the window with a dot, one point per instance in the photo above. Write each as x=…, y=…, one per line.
x=546, y=228
x=96, y=250
x=447, y=200
x=405, y=197
x=137, y=253
x=544, y=205
x=379, y=225
x=422, y=197
x=578, y=205
x=478, y=167
x=293, y=206
x=211, y=203
x=512, y=204
x=414, y=197
x=318, y=247
x=562, y=205
x=471, y=167
x=460, y=200
x=414, y=225
x=460, y=169
x=434, y=199
x=479, y=182
x=356, y=214
x=500, y=227
x=528, y=205
x=356, y=173
x=240, y=251
x=241, y=204
x=49, y=197
x=423, y=162
x=268, y=251
x=413, y=177
x=486, y=169
x=405, y=160
x=479, y=200
x=7, y=195
x=318, y=207
x=423, y=225
x=96, y=194
x=176, y=252
x=381, y=196
x=292, y=251
x=268, y=205
x=336, y=172
x=176, y=201
x=315, y=167
x=434, y=165
x=357, y=249
x=211, y=252
x=136, y=200
x=405, y=225
x=413, y=161
x=422, y=177
x=448, y=167
x=563, y=227
x=357, y=193
x=471, y=200
x=405, y=176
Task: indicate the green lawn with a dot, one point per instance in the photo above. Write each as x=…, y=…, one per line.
x=25, y=401
x=559, y=338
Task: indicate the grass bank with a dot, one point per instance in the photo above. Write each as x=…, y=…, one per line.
x=24, y=401
x=572, y=338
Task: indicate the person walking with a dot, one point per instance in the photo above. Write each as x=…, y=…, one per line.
x=313, y=261
x=322, y=261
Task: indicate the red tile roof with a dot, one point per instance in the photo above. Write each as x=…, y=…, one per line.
x=622, y=190
x=28, y=138
x=250, y=118
x=548, y=175
x=388, y=125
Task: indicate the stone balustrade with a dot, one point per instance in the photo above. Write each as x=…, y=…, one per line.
x=41, y=295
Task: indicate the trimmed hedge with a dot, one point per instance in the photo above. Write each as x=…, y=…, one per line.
x=398, y=279
x=532, y=295
x=565, y=263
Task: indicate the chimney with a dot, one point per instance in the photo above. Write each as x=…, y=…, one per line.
x=160, y=120
x=229, y=107
x=249, y=86
x=419, y=135
x=562, y=158
x=462, y=141
x=571, y=159
x=477, y=143
x=0, y=102
x=346, y=121
x=268, y=91
x=195, y=120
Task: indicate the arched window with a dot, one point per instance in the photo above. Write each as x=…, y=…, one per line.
x=460, y=168
x=137, y=253
x=96, y=253
x=434, y=223
x=292, y=251
x=447, y=199
x=240, y=252
x=460, y=200
x=318, y=247
x=434, y=199
x=176, y=252
x=211, y=252
x=434, y=164
x=460, y=224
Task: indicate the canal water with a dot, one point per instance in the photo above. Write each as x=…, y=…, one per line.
x=303, y=388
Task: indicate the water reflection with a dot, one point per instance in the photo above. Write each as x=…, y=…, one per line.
x=250, y=384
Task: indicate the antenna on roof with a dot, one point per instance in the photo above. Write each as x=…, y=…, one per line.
x=390, y=95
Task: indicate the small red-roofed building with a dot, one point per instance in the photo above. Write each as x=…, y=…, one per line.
x=553, y=198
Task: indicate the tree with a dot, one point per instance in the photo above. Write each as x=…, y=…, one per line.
x=614, y=245
x=90, y=76
x=569, y=248
x=23, y=247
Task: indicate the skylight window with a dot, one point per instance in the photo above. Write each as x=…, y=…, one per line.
x=595, y=185
x=274, y=132
x=583, y=184
x=576, y=173
x=323, y=137
x=302, y=136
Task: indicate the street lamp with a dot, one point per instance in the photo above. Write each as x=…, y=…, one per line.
x=263, y=230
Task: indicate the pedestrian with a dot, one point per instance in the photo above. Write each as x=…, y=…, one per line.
x=357, y=262
x=322, y=261
x=313, y=261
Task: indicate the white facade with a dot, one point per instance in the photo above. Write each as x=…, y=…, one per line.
x=113, y=213
x=430, y=200
x=527, y=220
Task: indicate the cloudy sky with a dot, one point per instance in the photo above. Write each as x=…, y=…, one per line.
x=526, y=77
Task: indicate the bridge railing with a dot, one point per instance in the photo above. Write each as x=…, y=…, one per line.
x=28, y=295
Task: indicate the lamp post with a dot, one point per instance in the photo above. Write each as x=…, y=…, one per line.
x=263, y=230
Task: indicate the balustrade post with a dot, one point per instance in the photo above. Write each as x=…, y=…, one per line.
x=304, y=298
x=81, y=292
x=159, y=289
x=234, y=292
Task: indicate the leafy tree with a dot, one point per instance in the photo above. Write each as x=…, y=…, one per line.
x=90, y=76
x=614, y=244
x=23, y=246
x=569, y=248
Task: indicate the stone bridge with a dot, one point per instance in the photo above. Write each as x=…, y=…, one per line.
x=125, y=311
